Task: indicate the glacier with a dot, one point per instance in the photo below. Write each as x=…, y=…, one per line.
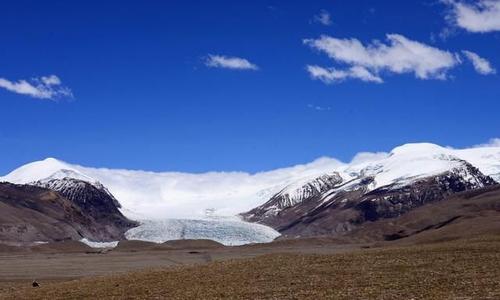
x=230, y=231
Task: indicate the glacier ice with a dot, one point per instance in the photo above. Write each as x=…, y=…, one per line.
x=227, y=231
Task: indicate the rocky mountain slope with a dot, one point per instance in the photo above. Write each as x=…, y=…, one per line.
x=468, y=214
x=35, y=214
x=410, y=176
x=94, y=200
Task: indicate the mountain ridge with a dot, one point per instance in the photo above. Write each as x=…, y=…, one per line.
x=32, y=214
x=184, y=195
x=150, y=196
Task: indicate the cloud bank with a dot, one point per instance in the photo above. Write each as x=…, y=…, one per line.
x=227, y=62
x=494, y=142
x=45, y=87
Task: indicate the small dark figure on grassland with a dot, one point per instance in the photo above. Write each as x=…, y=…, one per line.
x=35, y=284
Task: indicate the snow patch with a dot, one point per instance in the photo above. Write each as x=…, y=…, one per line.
x=93, y=244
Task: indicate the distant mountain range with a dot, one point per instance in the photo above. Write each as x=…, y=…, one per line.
x=323, y=197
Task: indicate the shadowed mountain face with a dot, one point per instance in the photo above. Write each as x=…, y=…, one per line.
x=348, y=205
x=463, y=215
x=94, y=200
x=31, y=214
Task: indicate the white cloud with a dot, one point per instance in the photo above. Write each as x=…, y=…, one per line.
x=481, y=65
x=51, y=80
x=46, y=87
x=444, y=34
x=494, y=142
x=235, y=63
x=319, y=108
x=480, y=16
x=323, y=18
x=332, y=75
x=364, y=157
x=399, y=55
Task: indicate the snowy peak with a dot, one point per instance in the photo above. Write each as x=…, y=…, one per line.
x=37, y=170
x=49, y=171
x=405, y=164
x=65, y=173
x=413, y=148
x=485, y=158
x=76, y=189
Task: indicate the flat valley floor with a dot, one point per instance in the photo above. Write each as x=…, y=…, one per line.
x=300, y=269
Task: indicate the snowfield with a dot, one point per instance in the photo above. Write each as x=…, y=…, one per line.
x=174, y=205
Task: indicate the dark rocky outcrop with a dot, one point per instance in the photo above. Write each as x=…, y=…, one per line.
x=31, y=214
x=95, y=201
x=469, y=214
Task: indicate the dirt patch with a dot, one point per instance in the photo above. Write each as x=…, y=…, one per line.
x=192, y=244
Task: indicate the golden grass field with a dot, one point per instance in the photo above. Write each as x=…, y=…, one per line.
x=466, y=269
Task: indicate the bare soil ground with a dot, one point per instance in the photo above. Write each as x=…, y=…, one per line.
x=71, y=260
x=312, y=269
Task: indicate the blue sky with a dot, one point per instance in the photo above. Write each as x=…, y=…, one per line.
x=228, y=85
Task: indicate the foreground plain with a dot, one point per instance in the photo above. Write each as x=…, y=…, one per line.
x=463, y=269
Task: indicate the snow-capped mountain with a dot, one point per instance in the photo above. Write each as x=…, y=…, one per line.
x=74, y=186
x=387, y=187
x=150, y=195
x=401, y=166
x=93, y=199
x=174, y=195
x=159, y=196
